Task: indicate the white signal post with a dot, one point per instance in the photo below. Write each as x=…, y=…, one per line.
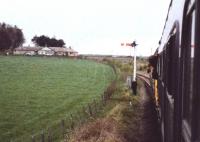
x=134, y=66
x=134, y=82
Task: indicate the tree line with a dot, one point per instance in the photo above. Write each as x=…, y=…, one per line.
x=12, y=37
x=47, y=41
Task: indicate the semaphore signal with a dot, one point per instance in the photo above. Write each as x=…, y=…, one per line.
x=133, y=44
x=134, y=82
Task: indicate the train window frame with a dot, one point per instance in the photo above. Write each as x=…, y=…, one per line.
x=171, y=53
x=159, y=66
x=160, y=58
x=164, y=66
x=196, y=121
x=187, y=55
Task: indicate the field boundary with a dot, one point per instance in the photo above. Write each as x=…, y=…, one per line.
x=64, y=127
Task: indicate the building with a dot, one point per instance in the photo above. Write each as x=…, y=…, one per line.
x=71, y=52
x=46, y=51
x=59, y=51
x=26, y=50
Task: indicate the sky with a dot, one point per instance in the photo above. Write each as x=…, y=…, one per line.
x=91, y=26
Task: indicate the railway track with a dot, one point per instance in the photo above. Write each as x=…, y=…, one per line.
x=149, y=123
x=145, y=78
x=149, y=85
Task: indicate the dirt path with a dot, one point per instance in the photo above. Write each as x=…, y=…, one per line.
x=149, y=126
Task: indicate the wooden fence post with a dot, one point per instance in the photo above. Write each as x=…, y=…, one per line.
x=42, y=137
x=72, y=123
x=105, y=96
x=77, y=118
x=89, y=108
x=33, y=138
x=49, y=137
x=83, y=109
x=84, y=114
x=102, y=98
x=95, y=106
x=81, y=119
x=63, y=128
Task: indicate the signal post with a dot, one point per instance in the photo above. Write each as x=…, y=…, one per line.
x=134, y=81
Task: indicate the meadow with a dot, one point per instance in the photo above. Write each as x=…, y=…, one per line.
x=36, y=92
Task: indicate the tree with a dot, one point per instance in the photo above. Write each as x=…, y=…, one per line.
x=53, y=42
x=41, y=40
x=10, y=37
x=61, y=43
x=5, y=41
x=16, y=36
x=46, y=41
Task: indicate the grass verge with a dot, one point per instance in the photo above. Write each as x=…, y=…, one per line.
x=118, y=121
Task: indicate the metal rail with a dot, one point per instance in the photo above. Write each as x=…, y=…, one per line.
x=149, y=84
x=145, y=78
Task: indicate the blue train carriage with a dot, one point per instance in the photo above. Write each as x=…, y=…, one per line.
x=176, y=73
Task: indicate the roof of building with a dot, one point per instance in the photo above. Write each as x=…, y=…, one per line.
x=71, y=50
x=28, y=48
x=63, y=49
x=56, y=49
x=46, y=48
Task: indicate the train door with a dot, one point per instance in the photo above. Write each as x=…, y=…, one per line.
x=171, y=85
x=161, y=91
x=187, y=80
x=196, y=96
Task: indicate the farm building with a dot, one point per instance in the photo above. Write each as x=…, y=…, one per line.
x=64, y=51
x=71, y=52
x=47, y=51
x=26, y=50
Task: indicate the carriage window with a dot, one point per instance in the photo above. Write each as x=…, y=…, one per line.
x=160, y=59
x=162, y=66
x=171, y=64
x=158, y=66
x=188, y=62
x=198, y=131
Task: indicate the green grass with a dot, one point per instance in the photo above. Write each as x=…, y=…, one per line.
x=36, y=92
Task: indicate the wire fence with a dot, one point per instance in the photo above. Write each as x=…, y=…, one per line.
x=61, y=130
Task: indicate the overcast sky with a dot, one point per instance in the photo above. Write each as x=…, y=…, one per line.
x=91, y=26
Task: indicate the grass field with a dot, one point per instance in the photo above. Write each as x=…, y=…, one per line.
x=36, y=92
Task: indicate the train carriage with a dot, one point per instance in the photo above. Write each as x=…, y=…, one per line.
x=176, y=73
